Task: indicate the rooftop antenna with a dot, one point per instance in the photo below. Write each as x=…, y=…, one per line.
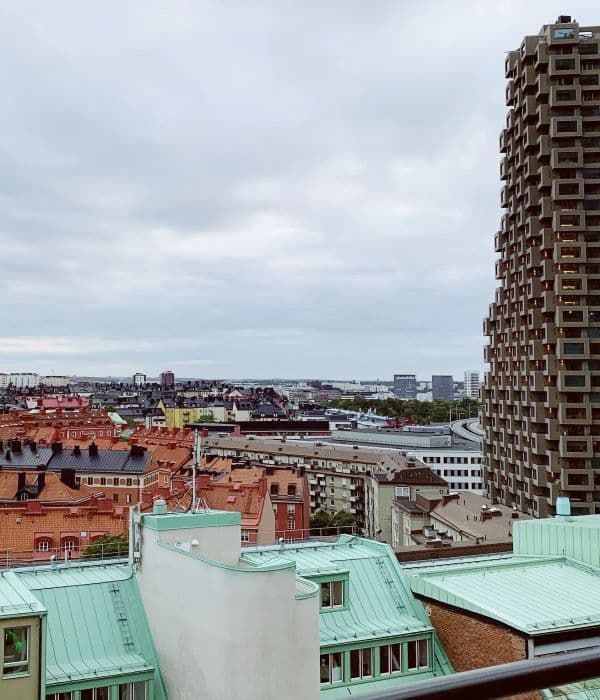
x=196, y=462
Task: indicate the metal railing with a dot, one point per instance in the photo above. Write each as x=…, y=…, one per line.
x=11, y=558
x=501, y=681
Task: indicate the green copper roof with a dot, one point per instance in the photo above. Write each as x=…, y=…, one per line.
x=531, y=595
x=379, y=602
x=16, y=600
x=96, y=626
x=576, y=537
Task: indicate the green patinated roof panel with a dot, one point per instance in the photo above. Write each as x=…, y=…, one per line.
x=96, y=625
x=16, y=600
x=380, y=603
x=531, y=595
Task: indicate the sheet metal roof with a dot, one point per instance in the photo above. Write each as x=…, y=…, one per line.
x=531, y=595
x=107, y=461
x=380, y=603
x=25, y=458
x=96, y=627
x=16, y=599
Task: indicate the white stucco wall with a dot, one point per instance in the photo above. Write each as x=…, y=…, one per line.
x=222, y=633
x=221, y=543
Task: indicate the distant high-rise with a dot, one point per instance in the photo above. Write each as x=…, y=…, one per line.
x=542, y=395
x=472, y=384
x=442, y=387
x=405, y=386
x=167, y=379
x=139, y=379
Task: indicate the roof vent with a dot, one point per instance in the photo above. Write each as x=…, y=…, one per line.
x=563, y=19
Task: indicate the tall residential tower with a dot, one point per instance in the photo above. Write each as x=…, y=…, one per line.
x=542, y=396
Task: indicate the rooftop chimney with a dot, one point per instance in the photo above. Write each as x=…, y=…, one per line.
x=93, y=449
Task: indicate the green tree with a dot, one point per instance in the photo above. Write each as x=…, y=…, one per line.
x=320, y=520
x=344, y=521
x=107, y=546
x=208, y=417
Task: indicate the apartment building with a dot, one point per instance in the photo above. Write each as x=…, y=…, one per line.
x=541, y=401
x=472, y=382
x=336, y=474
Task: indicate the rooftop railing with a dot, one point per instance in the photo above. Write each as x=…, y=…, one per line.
x=14, y=558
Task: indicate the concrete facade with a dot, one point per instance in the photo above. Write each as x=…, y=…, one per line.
x=541, y=402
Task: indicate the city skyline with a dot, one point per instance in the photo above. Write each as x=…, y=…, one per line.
x=273, y=191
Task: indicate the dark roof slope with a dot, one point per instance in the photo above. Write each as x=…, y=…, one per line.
x=26, y=457
x=106, y=461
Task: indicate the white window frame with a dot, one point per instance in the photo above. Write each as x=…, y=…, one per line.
x=361, y=652
x=418, y=643
x=245, y=535
x=391, y=672
x=331, y=680
x=16, y=664
x=43, y=546
x=338, y=585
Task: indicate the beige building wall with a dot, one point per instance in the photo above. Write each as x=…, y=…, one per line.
x=24, y=686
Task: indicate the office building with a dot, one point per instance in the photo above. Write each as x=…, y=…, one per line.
x=405, y=386
x=442, y=387
x=472, y=384
x=541, y=397
x=167, y=379
x=139, y=379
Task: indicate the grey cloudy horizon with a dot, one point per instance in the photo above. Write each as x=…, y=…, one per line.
x=230, y=189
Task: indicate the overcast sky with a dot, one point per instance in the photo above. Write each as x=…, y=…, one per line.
x=252, y=189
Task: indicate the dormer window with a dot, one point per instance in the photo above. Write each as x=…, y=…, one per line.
x=332, y=594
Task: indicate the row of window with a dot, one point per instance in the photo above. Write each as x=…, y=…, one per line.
x=107, y=481
x=452, y=460
x=125, y=691
x=377, y=662
x=458, y=472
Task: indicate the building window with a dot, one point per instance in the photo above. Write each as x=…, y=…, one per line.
x=96, y=693
x=116, y=497
x=102, y=481
x=69, y=545
x=61, y=696
x=332, y=670
x=133, y=691
x=16, y=650
x=418, y=654
x=291, y=509
x=390, y=659
x=291, y=489
x=403, y=491
x=361, y=663
x=128, y=498
x=332, y=594
x=245, y=535
x=43, y=546
x=129, y=481
x=115, y=481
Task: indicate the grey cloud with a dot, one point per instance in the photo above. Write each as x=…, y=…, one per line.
x=264, y=188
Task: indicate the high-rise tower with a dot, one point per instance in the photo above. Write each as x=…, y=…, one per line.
x=541, y=401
